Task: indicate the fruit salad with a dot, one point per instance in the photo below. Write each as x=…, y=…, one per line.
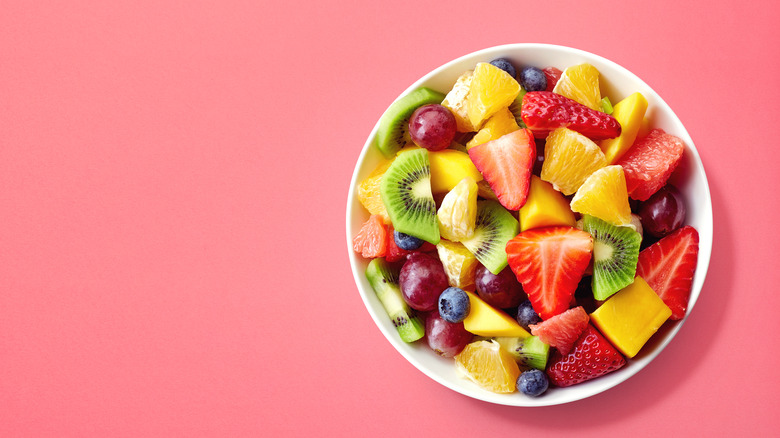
x=524, y=226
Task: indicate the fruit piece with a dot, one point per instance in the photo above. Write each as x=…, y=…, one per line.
x=502, y=291
x=663, y=212
x=516, y=109
x=485, y=192
x=406, y=193
x=506, y=165
x=526, y=314
x=432, y=127
x=454, y=305
x=493, y=229
x=532, y=383
x=491, y=90
x=606, y=107
x=629, y=113
x=553, y=75
x=422, y=280
x=501, y=123
x=580, y=83
x=604, y=195
x=405, y=241
x=544, y=207
x=449, y=167
x=649, y=163
x=570, y=158
x=489, y=366
x=371, y=240
x=393, y=131
x=533, y=79
x=529, y=352
x=615, y=253
x=549, y=263
x=668, y=267
x=384, y=281
x=544, y=111
x=394, y=253
x=630, y=317
x=456, y=101
x=368, y=191
x=457, y=215
x=506, y=65
x=446, y=338
x=562, y=330
x=486, y=320
x=460, y=265
x=591, y=356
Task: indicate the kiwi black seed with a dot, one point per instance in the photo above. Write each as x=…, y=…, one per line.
x=393, y=131
x=615, y=254
x=384, y=280
x=406, y=192
x=495, y=226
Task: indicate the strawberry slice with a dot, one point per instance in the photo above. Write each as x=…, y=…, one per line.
x=544, y=111
x=552, y=74
x=549, y=262
x=668, y=266
x=592, y=356
x=562, y=331
x=506, y=164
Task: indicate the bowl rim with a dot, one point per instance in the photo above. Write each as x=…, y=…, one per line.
x=705, y=239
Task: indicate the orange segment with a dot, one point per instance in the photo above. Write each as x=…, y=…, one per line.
x=458, y=212
x=368, y=191
x=489, y=366
x=605, y=196
x=460, y=265
x=581, y=83
x=455, y=101
x=492, y=89
x=501, y=123
x=569, y=158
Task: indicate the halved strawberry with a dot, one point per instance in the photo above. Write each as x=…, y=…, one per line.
x=549, y=262
x=552, y=74
x=592, y=356
x=506, y=165
x=668, y=266
x=371, y=240
x=562, y=331
x=544, y=111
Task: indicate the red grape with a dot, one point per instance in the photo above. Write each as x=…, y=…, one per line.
x=445, y=338
x=501, y=291
x=432, y=127
x=422, y=280
x=663, y=212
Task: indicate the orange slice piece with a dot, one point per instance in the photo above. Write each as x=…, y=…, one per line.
x=569, y=158
x=489, y=366
x=605, y=196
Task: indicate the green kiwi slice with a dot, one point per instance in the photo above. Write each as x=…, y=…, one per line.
x=406, y=192
x=529, y=352
x=393, y=131
x=615, y=254
x=495, y=226
x=516, y=107
x=384, y=281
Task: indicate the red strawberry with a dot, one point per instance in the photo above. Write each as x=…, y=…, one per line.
x=562, y=331
x=668, y=266
x=552, y=74
x=506, y=163
x=544, y=111
x=649, y=162
x=549, y=262
x=371, y=241
x=592, y=356
x=394, y=253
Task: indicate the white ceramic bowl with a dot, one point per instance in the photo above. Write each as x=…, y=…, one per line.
x=617, y=83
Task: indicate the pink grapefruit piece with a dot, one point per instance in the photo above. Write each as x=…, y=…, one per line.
x=562, y=331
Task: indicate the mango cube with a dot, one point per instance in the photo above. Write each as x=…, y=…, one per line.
x=485, y=320
x=448, y=168
x=629, y=112
x=544, y=207
x=631, y=316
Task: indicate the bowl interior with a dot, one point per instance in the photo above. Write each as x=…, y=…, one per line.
x=617, y=83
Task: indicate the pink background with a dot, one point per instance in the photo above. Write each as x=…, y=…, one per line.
x=173, y=181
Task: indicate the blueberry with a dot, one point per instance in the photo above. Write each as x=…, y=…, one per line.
x=405, y=241
x=454, y=305
x=526, y=314
x=533, y=79
x=505, y=65
x=533, y=383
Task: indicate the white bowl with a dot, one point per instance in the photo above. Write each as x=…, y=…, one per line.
x=617, y=83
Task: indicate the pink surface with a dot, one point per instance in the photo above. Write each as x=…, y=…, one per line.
x=174, y=178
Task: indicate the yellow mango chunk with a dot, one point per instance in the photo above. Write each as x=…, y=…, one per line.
x=631, y=316
x=501, y=123
x=448, y=168
x=485, y=320
x=629, y=112
x=544, y=207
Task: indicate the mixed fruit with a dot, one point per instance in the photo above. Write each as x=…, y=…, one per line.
x=524, y=226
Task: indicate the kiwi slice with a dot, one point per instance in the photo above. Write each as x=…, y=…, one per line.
x=393, y=131
x=495, y=226
x=516, y=108
x=406, y=192
x=529, y=352
x=384, y=281
x=615, y=254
